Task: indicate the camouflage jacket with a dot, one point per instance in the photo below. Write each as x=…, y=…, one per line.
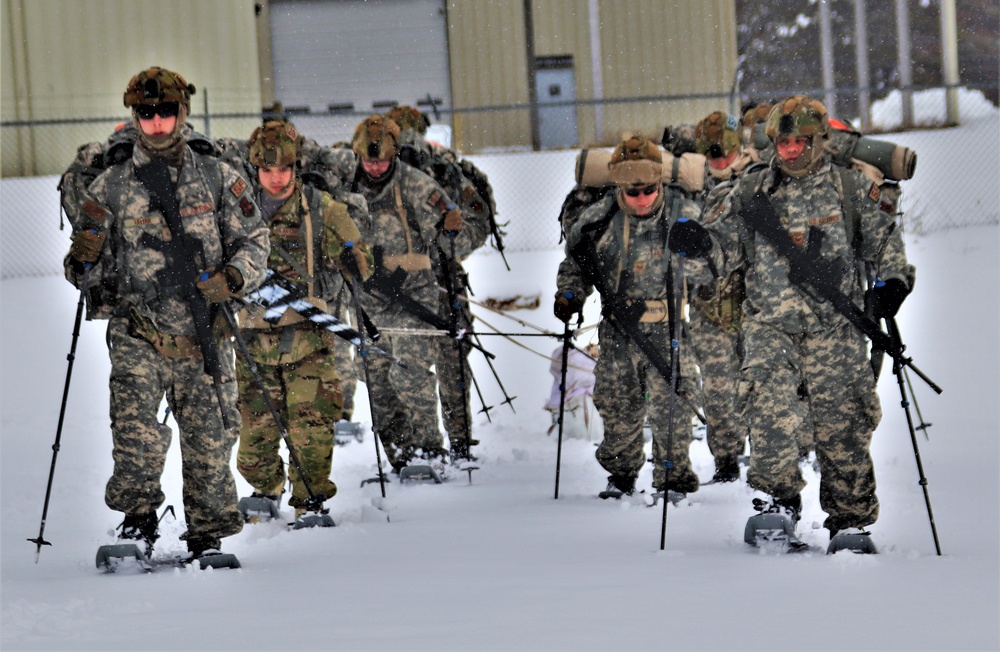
x=441, y=164
x=217, y=210
x=404, y=226
x=813, y=201
x=630, y=250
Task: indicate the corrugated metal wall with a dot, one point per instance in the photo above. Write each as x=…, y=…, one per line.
x=69, y=59
x=648, y=48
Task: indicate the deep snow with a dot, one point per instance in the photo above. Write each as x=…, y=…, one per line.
x=499, y=564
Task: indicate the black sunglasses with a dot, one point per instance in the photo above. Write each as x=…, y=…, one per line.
x=165, y=110
x=648, y=190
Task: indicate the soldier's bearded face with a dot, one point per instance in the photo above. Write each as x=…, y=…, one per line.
x=277, y=181
x=375, y=167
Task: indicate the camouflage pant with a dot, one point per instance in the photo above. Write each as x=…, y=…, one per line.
x=719, y=363
x=403, y=400
x=452, y=391
x=344, y=362
x=627, y=389
x=306, y=395
x=139, y=378
x=819, y=384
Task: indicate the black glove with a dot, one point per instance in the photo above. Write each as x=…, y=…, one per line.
x=885, y=298
x=566, y=305
x=688, y=238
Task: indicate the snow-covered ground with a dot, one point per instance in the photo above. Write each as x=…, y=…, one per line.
x=500, y=564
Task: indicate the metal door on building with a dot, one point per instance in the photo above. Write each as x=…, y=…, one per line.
x=359, y=55
x=555, y=82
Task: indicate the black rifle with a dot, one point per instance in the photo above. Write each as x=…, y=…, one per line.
x=614, y=305
x=183, y=254
x=819, y=277
x=388, y=289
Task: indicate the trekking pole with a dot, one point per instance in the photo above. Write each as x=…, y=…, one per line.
x=40, y=540
x=897, y=370
x=241, y=343
x=363, y=352
x=454, y=307
x=923, y=424
x=675, y=365
x=567, y=334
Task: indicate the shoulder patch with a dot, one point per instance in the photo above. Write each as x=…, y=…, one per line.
x=434, y=198
x=94, y=210
x=246, y=206
x=874, y=193
x=238, y=188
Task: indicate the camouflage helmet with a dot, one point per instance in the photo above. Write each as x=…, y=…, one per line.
x=376, y=137
x=755, y=115
x=636, y=161
x=409, y=119
x=798, y=116
x=274, y=144
x=158, y=86
x=717, y=136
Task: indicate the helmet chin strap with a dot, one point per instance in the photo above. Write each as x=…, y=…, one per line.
x=161, y=144
x=805, y=163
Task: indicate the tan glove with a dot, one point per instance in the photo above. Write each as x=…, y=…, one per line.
x=453, y=220
x=220, y=285
x=87, y=245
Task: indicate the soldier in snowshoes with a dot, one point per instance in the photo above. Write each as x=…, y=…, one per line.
x=805, y=377
x=627, y=230
x=410, y=219
x=442, y=164
x=156, y=277
x=311, y=236
x=717, y=305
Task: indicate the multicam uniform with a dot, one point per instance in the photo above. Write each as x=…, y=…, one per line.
x=805, y=368
x=295, y=357
x=628, y=388
x=154, y=349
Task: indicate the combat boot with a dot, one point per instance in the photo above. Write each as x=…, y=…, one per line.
x=141, y=527
x=727, y=469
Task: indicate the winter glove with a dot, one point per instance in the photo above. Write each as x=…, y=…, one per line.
x=353, y=262
x=87, y=245
x=886, y=297
x=688, y=238
x=220, y=285
x=566, y=305
x=452, y=220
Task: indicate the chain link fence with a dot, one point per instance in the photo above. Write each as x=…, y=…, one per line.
x=531, y=186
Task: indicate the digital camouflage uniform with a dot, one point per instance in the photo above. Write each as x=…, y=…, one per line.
x=154, y=349
x=295, y=357
x=441, y=164
x=805, y=378
x=406, y=208
x=716, y=310
x=628, y=388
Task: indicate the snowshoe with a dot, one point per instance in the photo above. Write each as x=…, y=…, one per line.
x=773, y=529
x=344, y=432
x=618, y=486
x=113, y=557
x=206, y=551
x=140, y=528
x=856, y=540
x=675, y=497
x=259, y=507
x=419, y=474
x=307, y=518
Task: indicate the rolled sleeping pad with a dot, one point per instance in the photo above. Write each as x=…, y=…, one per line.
x=896, y=162
x=686, y=170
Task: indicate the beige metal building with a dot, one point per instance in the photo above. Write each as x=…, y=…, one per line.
x=72, y=59
x=600, y=49
x=64, y=60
